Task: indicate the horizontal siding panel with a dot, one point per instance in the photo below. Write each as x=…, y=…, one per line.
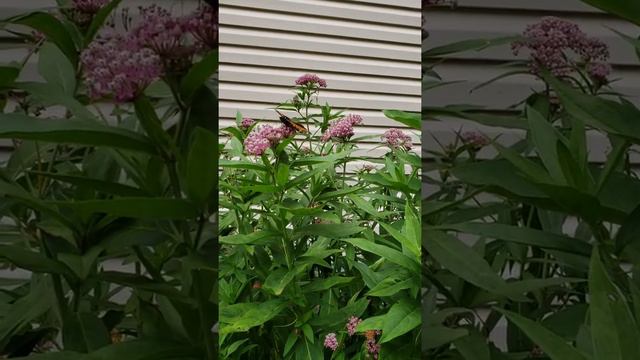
x=317, y=43
x=286, y=77
x=409, y=4
x=228, y=109
x=336, y=9
x=317, y=62
x=524, y=5
x=449, y=26
x=272, y=94
x=314, y=25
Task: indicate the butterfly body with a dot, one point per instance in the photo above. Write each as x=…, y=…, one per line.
x=291, y=124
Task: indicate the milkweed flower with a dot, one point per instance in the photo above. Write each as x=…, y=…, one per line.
x=89, y=6
x=599, y=72
x=352, y=324
x=307, y=79
x=331, y=341
x=397, y=139
x=474, y=140
x=263, y=138
x=342, y=129
x=247, y=123
x=551, y=42
x=203, y=25
x=115, y=67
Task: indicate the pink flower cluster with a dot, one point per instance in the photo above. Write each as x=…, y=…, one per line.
x=331, y=341
x=352, y=324
x=247, y=123
x=115, y=67
x=551, y=42
x=474, y=140
x=342, y=129
x=89, y=6
x=372, y=346
x=260, y=140
x=396, y=139
x=159, y=31
x=599, y=72
x=203, y=25
x=308, y=79
x=121, y=66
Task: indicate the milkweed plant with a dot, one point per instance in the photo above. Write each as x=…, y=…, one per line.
x=320, y=239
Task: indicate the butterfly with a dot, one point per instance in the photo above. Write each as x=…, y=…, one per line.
x=291, y=124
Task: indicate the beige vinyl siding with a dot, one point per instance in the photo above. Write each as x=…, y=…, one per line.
x=495, y=18
x=368, y=51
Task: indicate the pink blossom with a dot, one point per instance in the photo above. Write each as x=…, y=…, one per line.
x=307, y=79
x=396, y=139
x=89, y=6
x=599, y=72
x=116, y=67
x=255, y=144
x=247, y=123
x=342, y=129
x=331, y=341
x=551, y=42
x=474, y=139
x=266, y=136
x=159, y=31
x=203, y=25
x=353, y=321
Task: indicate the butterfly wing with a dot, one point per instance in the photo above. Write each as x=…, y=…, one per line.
x=290, y=123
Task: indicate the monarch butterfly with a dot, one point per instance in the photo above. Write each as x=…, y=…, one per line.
x=291, y=124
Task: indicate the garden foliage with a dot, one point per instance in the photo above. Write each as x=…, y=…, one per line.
x=107, y=201
x=320, y=256
x=534, y=232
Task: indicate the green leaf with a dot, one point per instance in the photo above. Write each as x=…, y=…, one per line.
x=604, y=114
x=202, y=169
x=333, y=231
x=99, y=19
x=613, y=331
x=8, y=75
x=291, y=341
x=152, y=125
x=142, y=283
x=32, y=261
x=255, y=238
x=136, y=207
x=626, y=9
x=146, y=350
x=411, y=119
x=522, y=235
x=56, y=69
x=81, y=265
x=467, y=45
x=53, y=29
x=401, y=318
x=107, y=187
x=466, y=263
x=386, y=252
x=198, y=74
x=436, y=336
x=66, y=131
x=409, y=245
x=545, y=137
x=278, y=279
x=241, y=317
x=25, y=310
x=628, y=232
x=473, y=347
x=553, y=345
x=328, y=283
x=51, y=94
x=84, y=332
